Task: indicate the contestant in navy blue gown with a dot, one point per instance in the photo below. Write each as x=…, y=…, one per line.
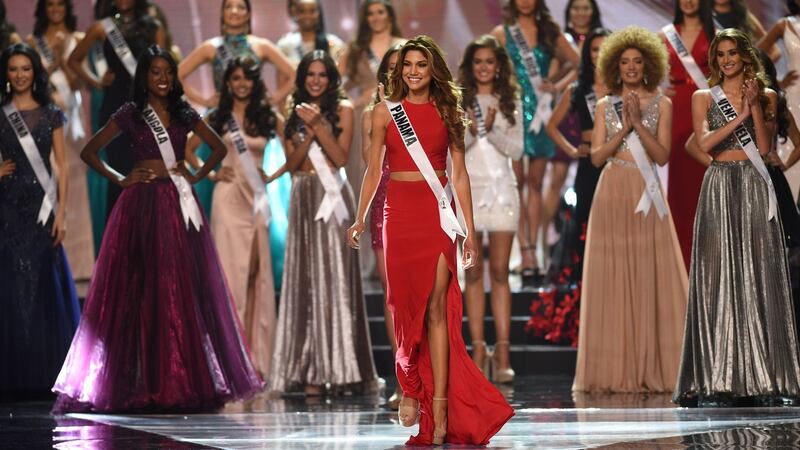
x=38, y=305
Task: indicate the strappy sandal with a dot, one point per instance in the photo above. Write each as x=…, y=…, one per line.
x=439, y=433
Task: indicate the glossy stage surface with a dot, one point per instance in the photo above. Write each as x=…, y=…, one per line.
x=548, y=416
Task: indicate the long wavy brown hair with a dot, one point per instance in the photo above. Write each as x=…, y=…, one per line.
x=444, y=92
x=548, y=30
x=504, y=85
x=360, y=44
x=753, y=69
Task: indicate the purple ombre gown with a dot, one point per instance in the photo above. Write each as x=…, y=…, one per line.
x=159, y=332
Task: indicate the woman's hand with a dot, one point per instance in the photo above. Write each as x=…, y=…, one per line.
x=490, y=115
x=468, y=254
x=751, y=94
x=58, y=230
x=106, y=80
x=7, y=167
x=634, y=111
x=473, y=122
x=180, y=169
x=309, y=113
x=584, y=149
x=223, y=175
x=137, y=175
x=354, y=234
x=547, y=86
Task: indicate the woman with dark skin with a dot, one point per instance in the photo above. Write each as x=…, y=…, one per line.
x=159, y=329
x=140, y=31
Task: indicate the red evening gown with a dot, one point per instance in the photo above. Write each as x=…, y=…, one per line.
x=413, y=242
x=685, y=174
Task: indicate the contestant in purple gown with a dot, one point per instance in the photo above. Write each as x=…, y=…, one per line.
x=158, y=331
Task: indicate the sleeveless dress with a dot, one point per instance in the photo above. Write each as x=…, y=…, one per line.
x=294, y=48
x=740, y=339
x=242, y=241
x=537, y=145
x=138, y=36
x=38, y=305
x=634, y=284
x=159, y=331
x=322, y=332
x=413, y=244
x=685, y=174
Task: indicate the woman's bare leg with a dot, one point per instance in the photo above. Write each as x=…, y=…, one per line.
x=499, y=255
x=439, y=343
x=475, y=296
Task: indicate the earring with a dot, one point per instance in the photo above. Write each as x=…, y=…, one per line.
x=8, y=87
x=497, y=75
x=645, y=80
x=619, y=79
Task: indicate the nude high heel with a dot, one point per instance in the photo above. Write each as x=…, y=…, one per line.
x=487, y=355
x=407, y=413
x=439, y=432
x=503, y=376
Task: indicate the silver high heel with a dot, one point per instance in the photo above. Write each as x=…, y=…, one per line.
x=503, y=376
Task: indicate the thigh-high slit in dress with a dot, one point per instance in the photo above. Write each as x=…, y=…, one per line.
x=413, y=244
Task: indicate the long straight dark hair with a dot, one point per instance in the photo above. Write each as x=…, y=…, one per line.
x=586, y=69
x=594, y=22
x=364, y=33
x=41, y=85
x=6, y=27
x=548, y=30
x=706, y=13
x=178, y=107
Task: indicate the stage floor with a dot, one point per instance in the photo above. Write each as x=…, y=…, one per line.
x=547, y=416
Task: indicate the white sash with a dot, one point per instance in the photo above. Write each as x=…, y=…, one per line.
x=120, y=46
x=72, y=100
x=374, y=62
x=100, y=64
x=591, y=103
x=189, y=209
x=748, y=144
x=792, y=21
x=448, y=220
x=224, y=53
x=332, y=182
x=260, y=202
x=543, y=108
x=492, y=192
x=685, y=56
x=35, y=159
x=652, y=191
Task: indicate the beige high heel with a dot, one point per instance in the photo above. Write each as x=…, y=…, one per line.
x=394, y=400
x=487, y=355
x=408, y=414
x=503, y=376
x=440, y=432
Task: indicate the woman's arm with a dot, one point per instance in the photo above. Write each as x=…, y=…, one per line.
x=657, y=147
x=602, y=150
x=794, y=136
x=759, y=33
x=94, y=34
x=764, y=128
x=190, y=155
x=89, y=155
x=707, y=140
x=460, y=180
x=218, y=151
x=62, y=168
x=372, y=174
x=566, y=52
x=506, y=138
x=268, y=51
x=337, y=149
x=555, y=120
x=771, y=38
x=694, y=151
x=366, y=125
x=199, y=56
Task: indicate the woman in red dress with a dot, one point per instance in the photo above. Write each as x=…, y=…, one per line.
x=695, y=26
x=441, y=386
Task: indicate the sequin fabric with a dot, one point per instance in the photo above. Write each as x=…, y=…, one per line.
x=144, y=144
x=538, y=144
x=649, y=120
x=38, y=305
x=717, y=120
x=238, y=46
x=740, y=336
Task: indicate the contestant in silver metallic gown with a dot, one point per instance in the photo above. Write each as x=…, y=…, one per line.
x=740, y=345
x=322, y=335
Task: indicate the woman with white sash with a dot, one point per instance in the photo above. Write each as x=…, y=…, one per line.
x=322, y=335
x=241, y=218
x=310, y=34
x=428, y=207
x=493, y=141
x=740, y=344
x=38, y=305
x=633, y=295
x=159, y=331
x=537, y=49
x=54, y=37
x=124, y=36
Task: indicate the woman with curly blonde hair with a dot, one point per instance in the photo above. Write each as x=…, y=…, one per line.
x=634, y=279
x=740, y=345
x=420, y=120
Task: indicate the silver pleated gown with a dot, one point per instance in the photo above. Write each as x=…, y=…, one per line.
x=322, y=334
x=740, y=336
